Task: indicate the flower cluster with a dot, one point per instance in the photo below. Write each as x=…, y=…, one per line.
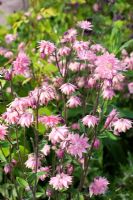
x=74, y=112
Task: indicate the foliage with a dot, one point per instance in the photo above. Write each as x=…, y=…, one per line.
x=48, y=20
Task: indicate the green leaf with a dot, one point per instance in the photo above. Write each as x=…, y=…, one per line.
x=4, y=144
x=2, y=60
x=81, y=197
x=39, y=194
x=129, y=73
x=49, y=12
x=50, y=68
x=108, y=134
x=44, y=111
x=125, y=45
x=31, y=177
x=41, y=129
x=2, y=158
x=112, y=136
x=41, y=173
x=26, y=81
x=125, y=113
x=22, y=182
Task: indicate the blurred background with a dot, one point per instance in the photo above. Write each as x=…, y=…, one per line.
x=10, y=6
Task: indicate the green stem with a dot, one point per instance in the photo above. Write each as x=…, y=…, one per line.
x=87, y=158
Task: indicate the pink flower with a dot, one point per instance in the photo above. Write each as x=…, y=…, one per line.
x=11, y=116
x=90, y=120
x=96, y=144
x=98, y=186
x=58, y=81
x=60, y=153
x=70, y=169
x=58, y=134
x=7, y=168
x=8, y=54
x=7, y=75
x=107, y=66
x=9, y=38
x=21, y=46
x=42, y=95
x=2, y=51
x=80, y=45
x=112, y=117
x=64, y=51
x=46, y=149
x=87, y=55
x=73, y=102
x=20, y=104
x=80, y=81
x=3, y=132
x=49, y=192
x=121, y=125
x=86, y=25
x=128, y=61
x=33, y=162
x=47, y=94
x=97, y=48
x=50, y=121
x=46, y=48
x=91, y=83
x=39, y=17
x=26, y=119
x=75, y=66
x=13, y=162
x=108, y=93
x=96, y=7
x=75, y=126
x=69, y=36
x=118, y=78
x=45, y=175
x=124, y=53
x=61, y=181
x=130, y=87
x=68, y=88
x=77, y=145
x=21, y=64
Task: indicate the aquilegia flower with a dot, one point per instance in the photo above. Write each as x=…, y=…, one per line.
x=3, y=132
x=90, y=120
x=64, y=51
x=46, y=48
x=50, y=121
x=68, y=88
x=130, y=87
x=33, y=162
x=58, y=134
x=85, y=25
x=46, y=149
x=73, y=102
x=61, y=181
x=21, y=64
x=9, y=38
x=112, y=117
x=98, y=186
x=107, y=66
x=26, y=119
x=46, y=173
x=77, y=145
x=121, y=125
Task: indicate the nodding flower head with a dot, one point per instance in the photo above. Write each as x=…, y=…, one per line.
x=98, y=186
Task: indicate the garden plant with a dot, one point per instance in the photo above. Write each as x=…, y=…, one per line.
x=65, y=106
